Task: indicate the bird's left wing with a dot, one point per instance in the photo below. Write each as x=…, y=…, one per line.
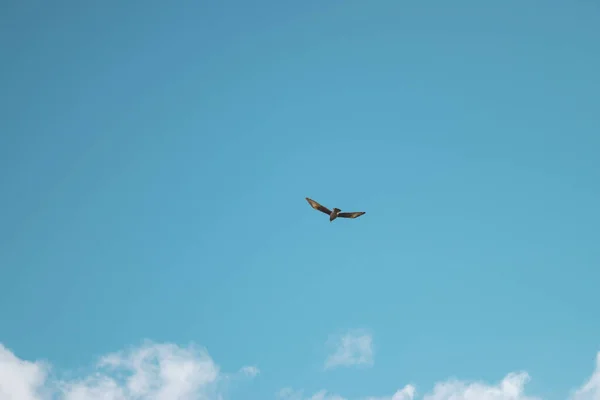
x=351, y=214
x=317, y=206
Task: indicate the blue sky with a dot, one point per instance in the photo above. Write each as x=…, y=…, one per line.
x=155, y=157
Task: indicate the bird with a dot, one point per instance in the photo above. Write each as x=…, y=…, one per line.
x=336, y=211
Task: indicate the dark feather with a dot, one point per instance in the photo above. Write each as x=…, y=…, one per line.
x=351, y=214
x=317, y=206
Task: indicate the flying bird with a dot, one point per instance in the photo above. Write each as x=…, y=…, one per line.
x=335, y=213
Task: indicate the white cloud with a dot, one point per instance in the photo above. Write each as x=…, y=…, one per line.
x=166, y=371
x=406, y=393
x=591, y=389
x=151, y=371
x=20, y=380
x=512, y=387
x=352, y=348
x=291, y=394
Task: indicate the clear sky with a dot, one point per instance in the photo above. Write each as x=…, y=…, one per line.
x=155, y=157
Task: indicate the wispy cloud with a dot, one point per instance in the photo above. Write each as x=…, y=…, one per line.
x=406, y=393
x=250, y=370
x=291, y=394
x=351, y=349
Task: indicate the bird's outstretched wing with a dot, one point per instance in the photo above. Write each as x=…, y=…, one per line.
x=317, y=206
x=351, y=214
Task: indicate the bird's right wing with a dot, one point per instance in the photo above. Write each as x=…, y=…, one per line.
x=351, y=214
x=317, y=206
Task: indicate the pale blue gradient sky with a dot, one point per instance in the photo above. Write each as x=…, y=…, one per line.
x=155, y=156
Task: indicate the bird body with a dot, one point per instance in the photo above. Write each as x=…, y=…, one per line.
x=335, y=213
